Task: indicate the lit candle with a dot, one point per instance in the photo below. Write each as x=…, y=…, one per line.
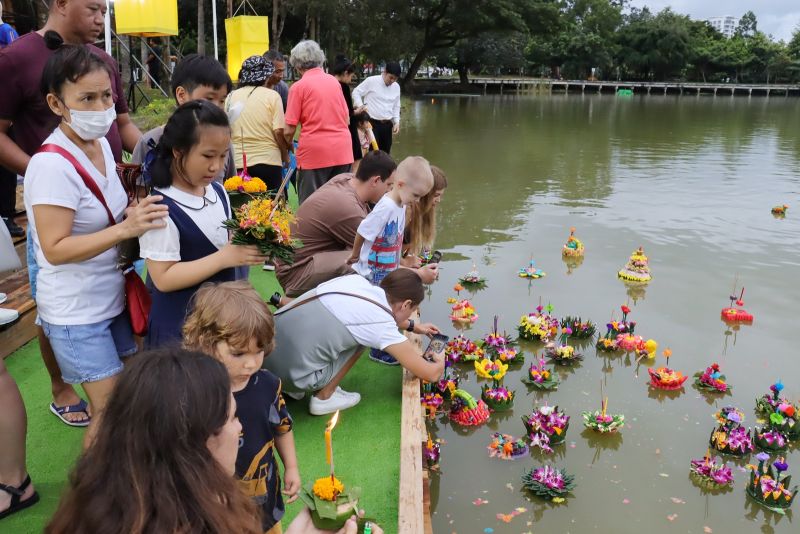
x=328, y=441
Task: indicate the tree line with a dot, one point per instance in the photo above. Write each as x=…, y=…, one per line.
x=572, y=39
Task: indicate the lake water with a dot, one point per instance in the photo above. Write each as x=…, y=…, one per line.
x=690, y=179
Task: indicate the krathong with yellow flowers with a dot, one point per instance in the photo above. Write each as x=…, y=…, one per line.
x=637, y=269
x=462, y=349
x=540, y=377
x=538, y=326
x=265, y=224
x=563, y=354
x=573, y=248
x=330, y=502
x=463, y=312
x=244, y=184
x=768, y=487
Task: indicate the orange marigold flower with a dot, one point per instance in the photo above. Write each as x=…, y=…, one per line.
x=326, y=489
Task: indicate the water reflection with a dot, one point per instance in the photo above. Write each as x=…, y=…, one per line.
x=693, y=181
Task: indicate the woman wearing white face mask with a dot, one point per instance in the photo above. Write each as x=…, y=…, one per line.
x=71, y=193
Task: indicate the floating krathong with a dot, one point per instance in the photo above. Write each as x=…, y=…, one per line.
x=507, y=447
x=540, y=377
x=573, y=248
x=729, y=417
x=466, y=411
x=447, y=384
x=780, y=210
x=711, y=380
x=461, y=349
x=546, y=426
x=734, y=313
x=770, y=439
x=501, y=346
x=734, y=440
x=666, y=378
x=768, y=487
x=580, y=329
x=463, y=312
x=549, y=483
x=563, y=354
x=531, y=271
x=490, y=369
x=431, y=452
x=431, y=401
x=637, y=268
x=711, y=472
x=603, y=422
x=472, y=278
x=538, y=326
x=497, y=397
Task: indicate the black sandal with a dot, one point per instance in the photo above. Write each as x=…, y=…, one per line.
x=16, y=495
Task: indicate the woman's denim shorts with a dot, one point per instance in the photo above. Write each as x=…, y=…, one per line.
x=91, y=352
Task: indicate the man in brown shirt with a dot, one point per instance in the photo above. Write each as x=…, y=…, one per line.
x=327, y=224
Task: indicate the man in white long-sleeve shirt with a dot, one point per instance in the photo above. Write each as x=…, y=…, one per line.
x=380, y=94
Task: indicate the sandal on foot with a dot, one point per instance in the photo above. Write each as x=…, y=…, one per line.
x=16, y=495
x=81, y=406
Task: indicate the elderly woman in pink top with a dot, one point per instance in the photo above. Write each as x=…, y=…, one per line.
x=316, y=103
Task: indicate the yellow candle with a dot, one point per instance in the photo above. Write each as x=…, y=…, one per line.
x=328, y=441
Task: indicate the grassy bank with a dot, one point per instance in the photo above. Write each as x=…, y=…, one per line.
x=366, y=440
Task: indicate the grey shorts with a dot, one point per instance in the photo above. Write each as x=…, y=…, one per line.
x=311, y=346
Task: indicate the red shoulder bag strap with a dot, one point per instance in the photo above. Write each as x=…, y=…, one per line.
x=85, y=176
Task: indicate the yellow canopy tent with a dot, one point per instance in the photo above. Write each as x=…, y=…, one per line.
x=146, y=18
x=247, y=36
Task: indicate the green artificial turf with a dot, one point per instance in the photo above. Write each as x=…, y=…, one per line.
x=366, y=441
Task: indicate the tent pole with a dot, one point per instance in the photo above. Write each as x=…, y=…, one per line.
x=214, y=22
x=108, y=28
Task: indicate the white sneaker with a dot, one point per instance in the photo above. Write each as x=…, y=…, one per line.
x=9, y=316
x=3, y=297
x=296, y=395
x=351, y=394
x=269, y=266
x=338, y=401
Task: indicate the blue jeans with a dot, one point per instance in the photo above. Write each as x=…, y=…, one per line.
x=91, y=352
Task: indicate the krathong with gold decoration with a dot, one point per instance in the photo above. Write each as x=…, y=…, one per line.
x=573, y=248
x=637, y=269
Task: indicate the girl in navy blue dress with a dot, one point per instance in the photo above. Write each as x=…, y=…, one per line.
x=194, y=247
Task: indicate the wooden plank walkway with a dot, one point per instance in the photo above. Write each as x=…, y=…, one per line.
x=414, y=503
x=522, y=85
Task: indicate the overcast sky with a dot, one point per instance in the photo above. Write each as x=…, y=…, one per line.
x=776, y=17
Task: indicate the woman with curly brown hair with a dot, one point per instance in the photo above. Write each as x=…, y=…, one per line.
x=164, y=456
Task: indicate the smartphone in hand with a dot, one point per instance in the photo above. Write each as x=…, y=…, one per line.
x=436, y=257
x=437, y=344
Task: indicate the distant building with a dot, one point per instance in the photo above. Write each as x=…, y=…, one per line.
x=725, y=25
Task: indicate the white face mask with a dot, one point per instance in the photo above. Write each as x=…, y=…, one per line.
x=91, y=125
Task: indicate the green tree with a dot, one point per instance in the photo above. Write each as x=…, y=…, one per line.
x=748, y=25
x=656, y=47
x=793, y=48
